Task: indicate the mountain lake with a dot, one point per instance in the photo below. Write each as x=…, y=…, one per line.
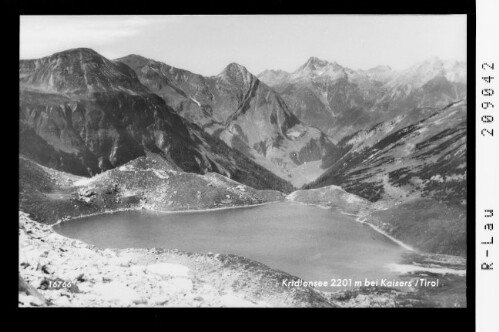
x=309, y=242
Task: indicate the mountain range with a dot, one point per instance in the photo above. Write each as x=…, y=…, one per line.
x=379, y=133
x=341, y=101
x=97, y=135
x=84, y=114
x=245, y=113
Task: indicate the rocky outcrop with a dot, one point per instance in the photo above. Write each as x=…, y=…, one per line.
x=144, y=183
x=29, y=295
x=331, y=196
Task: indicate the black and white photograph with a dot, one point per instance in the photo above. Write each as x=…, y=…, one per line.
x=271, y=161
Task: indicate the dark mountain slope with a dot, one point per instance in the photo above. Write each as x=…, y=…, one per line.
x=84, y=114
x=241, y=110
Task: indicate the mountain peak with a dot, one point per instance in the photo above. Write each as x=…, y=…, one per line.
x=437, y=62
x=236, y=73
x=431, y=68
x=134, y=60
x=314, y=64
x=315, y=61
x=81, y=51
x=77, y=71
x=235, y=67
x=315, y=67
x=133, y=56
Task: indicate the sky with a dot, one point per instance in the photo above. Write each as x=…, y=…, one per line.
x=206, y=44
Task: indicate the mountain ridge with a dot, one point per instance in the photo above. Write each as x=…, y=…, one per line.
x=76, y=118
x=242, y=111
x=341, y=101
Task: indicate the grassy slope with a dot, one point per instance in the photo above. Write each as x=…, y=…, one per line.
x=425, y=157
x=415, y=166
x=426, y=224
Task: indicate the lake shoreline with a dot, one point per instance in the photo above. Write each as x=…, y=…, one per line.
x=360, y=218
x=49, y=268
x=380, y=216
x=141, y=208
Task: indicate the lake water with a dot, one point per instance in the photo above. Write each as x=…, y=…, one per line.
x=312, y=243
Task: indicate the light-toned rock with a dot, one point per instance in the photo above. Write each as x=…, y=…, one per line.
x=168, y=269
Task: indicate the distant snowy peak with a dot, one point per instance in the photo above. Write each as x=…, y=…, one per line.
x=382, y=73
x=315, y=67
x=423, y=72
x=314, y=63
